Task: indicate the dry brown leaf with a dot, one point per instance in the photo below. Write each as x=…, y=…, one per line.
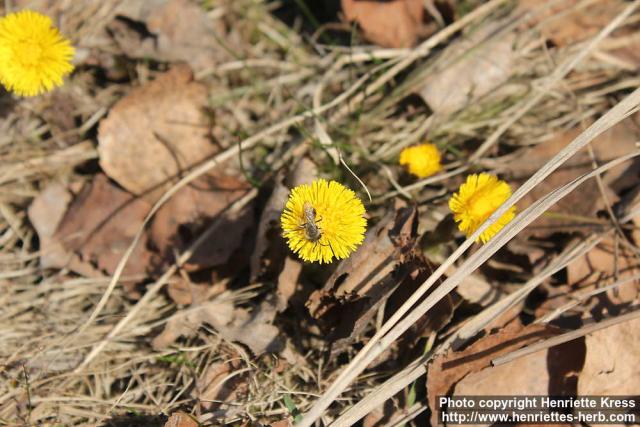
x=471, y=71
x=363, y=281
x=448, y=369
x=183, y=292
x=155, y=133
x=605, y=264
x=541, y=373
x=45, y=213
x=100, y=224
x=180, y=419
x=611, y=366
x=567, y=22
x=254, y=329
x=287, y=282
x=617, y=141
x=188, y=213
x=218, y=383
x=395, y=23
x=270, y=249
x=176, y=31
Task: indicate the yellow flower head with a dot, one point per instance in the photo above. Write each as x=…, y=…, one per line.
x=422, y=160
x=323, y=220
x=33, y=55
x=476, y=200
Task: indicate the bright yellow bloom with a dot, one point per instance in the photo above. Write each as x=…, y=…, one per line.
x=476, y=200
x=323, y=220
x=422, y=160
x=33, y=55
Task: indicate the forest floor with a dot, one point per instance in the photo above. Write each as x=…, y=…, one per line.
x=144, y=278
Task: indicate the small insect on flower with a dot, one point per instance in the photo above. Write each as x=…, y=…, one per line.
x=34, y=57
x=477, y=198
x=421, y=160
x=323, y=221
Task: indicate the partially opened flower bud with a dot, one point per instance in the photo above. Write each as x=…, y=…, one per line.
x=421, y=160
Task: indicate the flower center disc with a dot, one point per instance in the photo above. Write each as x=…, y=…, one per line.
x=29, y=53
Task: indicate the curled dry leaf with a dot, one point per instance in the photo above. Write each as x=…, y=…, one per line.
x=100, y=224
x=363, y=281
x=474, y=67
x=155, y=133
x=448, y=369
x=173, y=31
x=396, y=23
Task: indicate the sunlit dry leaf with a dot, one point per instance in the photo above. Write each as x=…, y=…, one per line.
x=566, y=22
x=45, y=213
x=180, y=419
x=567, y=214
x=605, y=264
x=396, y=23
x=254, y=329
x=473, y=68
x=446, y=370
x=288, y=281
x=100, y=224
x=176, y=31
x=218, y=383
x=189, y=212
x=155, y=133
x=611, y=366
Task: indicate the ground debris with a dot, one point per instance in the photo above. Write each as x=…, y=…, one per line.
x=396, y=23
x=100, y=224
x=156, y=133
x=448, y=369
x=362, y=282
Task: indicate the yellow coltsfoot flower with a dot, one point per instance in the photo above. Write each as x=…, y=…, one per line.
x=323, y=220
x=477, y=198
x=34, y=56
x=421, y=160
